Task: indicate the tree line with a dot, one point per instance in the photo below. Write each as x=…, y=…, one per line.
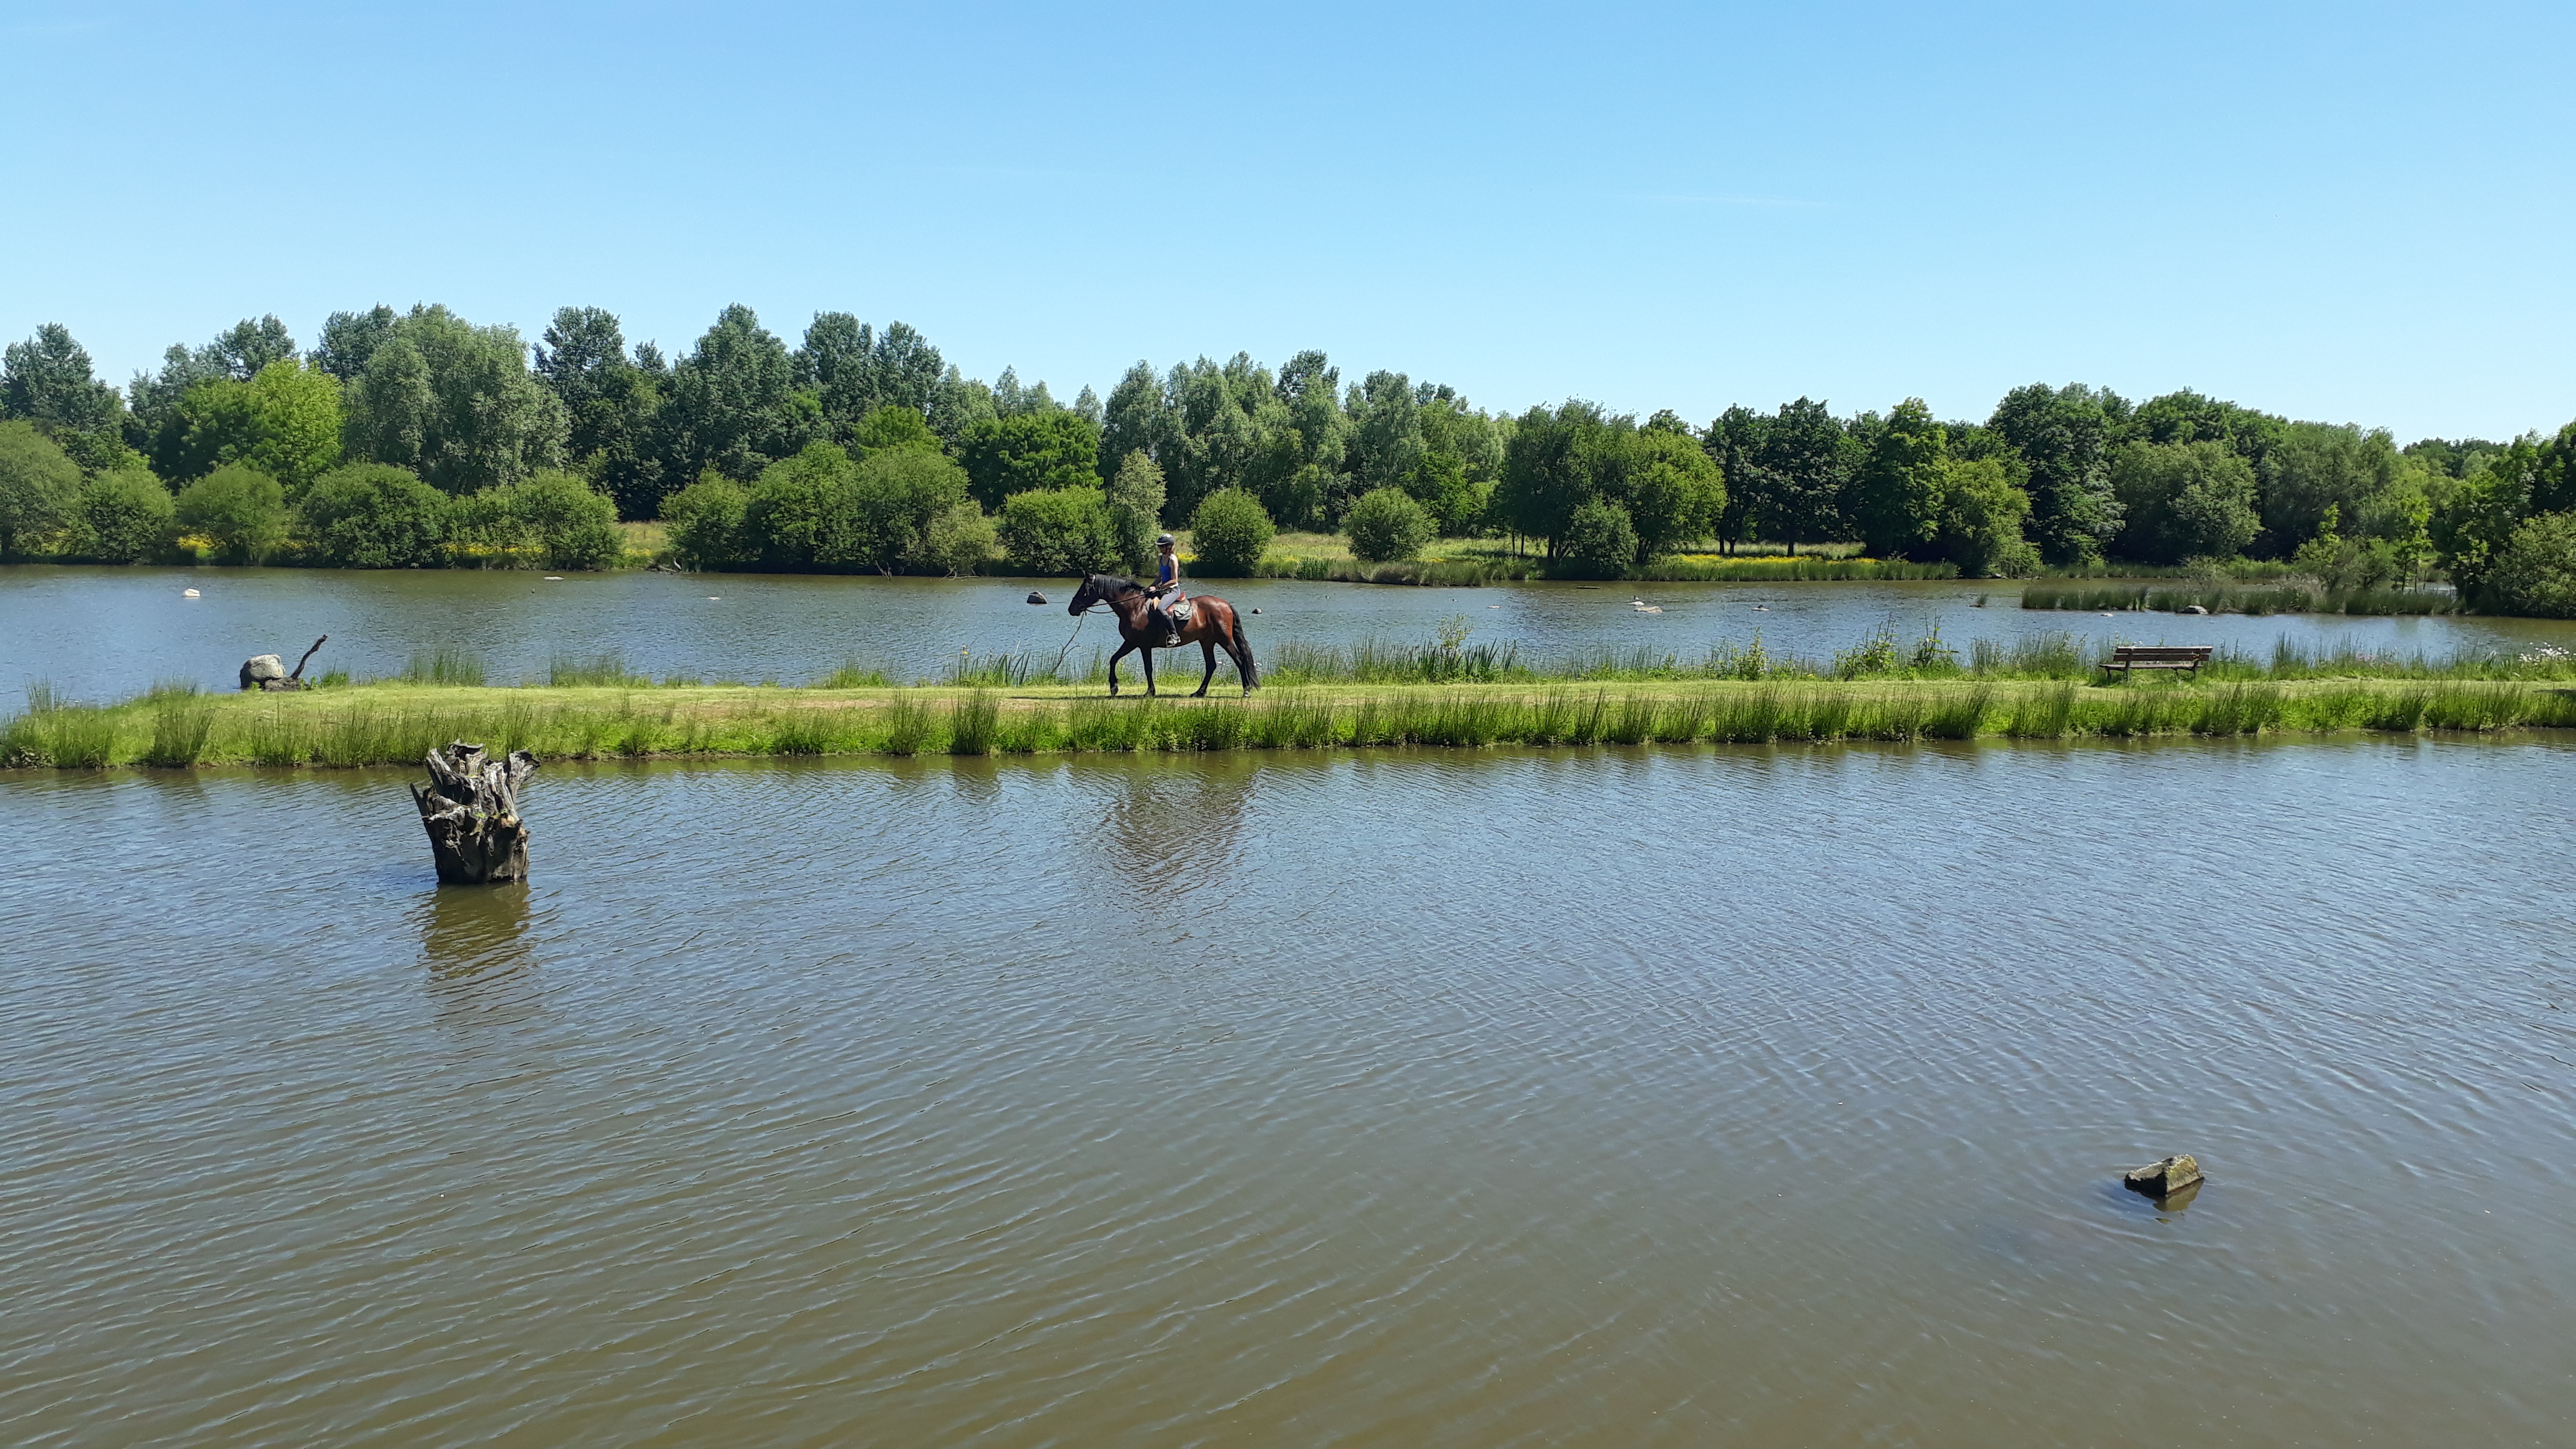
x=418, y=437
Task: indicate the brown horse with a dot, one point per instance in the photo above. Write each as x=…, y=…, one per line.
x=1212, y=625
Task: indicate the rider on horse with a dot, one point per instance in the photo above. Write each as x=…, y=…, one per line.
x=1166, y=591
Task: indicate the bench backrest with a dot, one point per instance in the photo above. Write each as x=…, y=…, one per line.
x=2159, y=653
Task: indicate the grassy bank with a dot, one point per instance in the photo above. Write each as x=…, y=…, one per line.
x=398, y=723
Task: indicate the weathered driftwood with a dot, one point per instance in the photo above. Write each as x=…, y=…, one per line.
x=471, y=811
x=268, y=672
x=2164, y=1179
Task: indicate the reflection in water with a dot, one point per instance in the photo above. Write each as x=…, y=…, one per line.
x=1169, y=826
x=474, y=940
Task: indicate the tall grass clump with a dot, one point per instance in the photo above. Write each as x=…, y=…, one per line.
x=607, y=670
x=2046, y=714
x=444, y=665
x=182, y=722
x=908, y=725
x=56, y=732
x=852, y=675
x=2057, y=654
x=971, y=724
x=1287, y=720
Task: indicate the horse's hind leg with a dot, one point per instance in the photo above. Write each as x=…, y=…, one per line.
x=1147, y=653
x=1207, y=653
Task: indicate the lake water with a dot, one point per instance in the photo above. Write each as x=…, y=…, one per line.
x=97, y=633
x=1587, y=1097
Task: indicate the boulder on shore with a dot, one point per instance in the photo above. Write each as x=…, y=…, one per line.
x=2163, y=1179
x=258, y=670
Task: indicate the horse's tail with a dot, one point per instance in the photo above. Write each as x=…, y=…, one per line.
x=1242, y=652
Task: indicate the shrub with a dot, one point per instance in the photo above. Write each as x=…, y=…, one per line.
x=373, y=516
x=803, y=514
x=960, y=540
x=1027, y=452
x=241, y=508
x=2535, y=575
x=38, y=486
x=123, y=517
x=1059, y=531
x=1387, y=524
x=1600, y=542
x=557, y=516
x=1228, y=531
x=704, y=521
x=1981, y=523
x=900, y=493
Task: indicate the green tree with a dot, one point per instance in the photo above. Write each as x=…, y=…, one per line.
x=2311, y=467
x=1387, y=524
x=2535, y=572
x=610, y=405
x=556, y=515
x=1136, y=510
x=123, y=517
x=453, y=403
x=241, y=508
x=47, y=380
x=733, y=404
x=1229, y=530
x=1059, y=531
x=2472, y=525
x=893, y=426
x=38, y=486
x=1736, y=440
x=1015, y=453
x=373, y=516
x=2184, y=500
x=1672, y=490
x=1896, y=496
x=2065, y=437
x=1806, y=464
x=803, y=515
x=349, y=340
x=704, y=522
x=1981, y=521
x=285, y=421
x=1600, y=542
x=902, y=493
x=1548, y=470
x=961, y=540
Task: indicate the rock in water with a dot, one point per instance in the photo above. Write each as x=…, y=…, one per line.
x=259, y=669
x=2194, y=609
x=1036, y=598
x=471, y=811
x=2163, y=1179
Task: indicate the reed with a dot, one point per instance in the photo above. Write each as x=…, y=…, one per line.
x=852, y=675
x=2237, y=598
x=593, y=671
x=2046, y=714
x=971, y=724
x=445, y=664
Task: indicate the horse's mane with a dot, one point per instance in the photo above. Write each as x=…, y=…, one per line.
x=1111, y=586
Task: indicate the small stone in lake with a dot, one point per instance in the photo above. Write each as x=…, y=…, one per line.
x=2194, y=609
x=1036, y=598
x=2163, y=1179
x=1256, y=611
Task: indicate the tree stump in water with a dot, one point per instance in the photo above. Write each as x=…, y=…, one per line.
x=471, y=811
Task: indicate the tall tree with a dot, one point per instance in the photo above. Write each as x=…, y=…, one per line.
x=1897, y=501
x=1736, y=439
x=2184, y=500
x=349, y=339
x=1020, y=451
x=38, y=486
x=733, y=404
x=2065, y=435
x=1807, y=460
x=1549, y=470
x=611, y=406
x=47, y=380
x=454, y=403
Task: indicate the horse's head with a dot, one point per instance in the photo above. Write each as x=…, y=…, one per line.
x=1099, y=588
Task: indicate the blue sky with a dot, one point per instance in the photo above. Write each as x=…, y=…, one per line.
x=2351, y=212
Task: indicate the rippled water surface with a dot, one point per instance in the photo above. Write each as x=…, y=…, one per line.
x=98, y=633
x=1576, y=1098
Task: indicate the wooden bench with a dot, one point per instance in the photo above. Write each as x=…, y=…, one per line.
x=2158, y=656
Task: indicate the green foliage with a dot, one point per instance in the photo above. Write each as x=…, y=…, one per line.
x=241, y=508
x=2184, y=500
x=1387, y=524
x=1059, y=531
x=454, y=404
x=901, y=493
x=2535, y=572
x=373, y=516
x=1672, y=490
x=733, y=404
x=1900, y=493
x=2065, y=436
x=1135, y=509
x=2472, y=525
x=1024, y=451
x=38, y=487
x=1228, y=532
x=123, y=517
x=893, y=427
x=960, y=539
x=1600, y=541
x=819, y=512
x=557, y=516
x=47, y=379
x=1981, y=521
x=611, y=405
x=704, y=522
x=285, y=421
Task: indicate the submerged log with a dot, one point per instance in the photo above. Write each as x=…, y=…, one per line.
x=2163, y=1179
x=471, y=811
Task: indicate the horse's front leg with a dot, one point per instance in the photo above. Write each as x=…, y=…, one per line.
x=1207, y=653
x=1113, y=668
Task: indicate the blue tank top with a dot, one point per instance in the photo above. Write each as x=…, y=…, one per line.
x=1168, y=571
